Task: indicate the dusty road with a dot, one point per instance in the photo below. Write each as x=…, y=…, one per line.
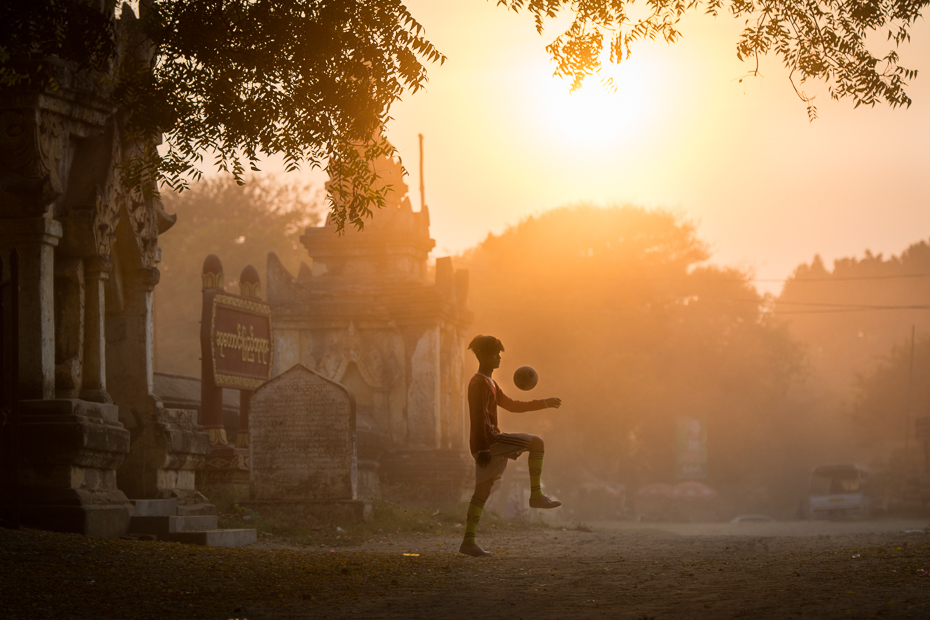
x=783, y=570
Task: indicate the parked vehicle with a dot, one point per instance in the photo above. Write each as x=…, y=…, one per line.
x=838, y=491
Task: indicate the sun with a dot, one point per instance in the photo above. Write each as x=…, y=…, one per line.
x=601, y=112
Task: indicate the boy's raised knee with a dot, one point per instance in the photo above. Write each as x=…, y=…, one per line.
x=537, y=445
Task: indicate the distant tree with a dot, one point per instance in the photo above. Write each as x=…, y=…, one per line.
x=624, y=319
x=850, y=316
x=241, y=225
x=889, y=398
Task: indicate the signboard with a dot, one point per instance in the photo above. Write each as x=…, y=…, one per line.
x=691, y=449
x=236, y=333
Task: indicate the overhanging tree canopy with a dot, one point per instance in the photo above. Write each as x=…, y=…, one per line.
x=313, y=80
x=310, y=80
x=824, y=40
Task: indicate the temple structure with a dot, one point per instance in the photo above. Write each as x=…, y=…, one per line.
x=91, y=433
x=369, y=315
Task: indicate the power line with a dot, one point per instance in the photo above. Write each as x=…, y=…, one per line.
x=845, y=278
x=839, y=310
x=710, y=279
x=851, y=306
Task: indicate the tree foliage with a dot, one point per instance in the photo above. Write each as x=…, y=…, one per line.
x=313, y=80
x=852, y=315
x=824, y=40
x=310, y=80
x=891, y=395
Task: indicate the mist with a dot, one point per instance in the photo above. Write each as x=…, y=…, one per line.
x=626, y=318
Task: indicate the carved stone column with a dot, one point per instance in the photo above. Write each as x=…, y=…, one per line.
x=211, y=396
x=167, y=447
x=96, y=272
x=129, y=340
x=35, y=238
x=69, y=326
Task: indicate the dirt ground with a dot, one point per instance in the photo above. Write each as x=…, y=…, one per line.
x=854, y=569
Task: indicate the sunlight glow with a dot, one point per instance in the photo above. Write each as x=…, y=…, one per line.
x=596, y=115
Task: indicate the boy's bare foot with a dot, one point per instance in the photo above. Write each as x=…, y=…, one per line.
x=474, y=550
x=544, y=502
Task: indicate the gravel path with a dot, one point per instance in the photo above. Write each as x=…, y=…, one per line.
x=633, y=572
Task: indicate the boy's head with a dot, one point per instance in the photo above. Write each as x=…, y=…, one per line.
x=485, y=346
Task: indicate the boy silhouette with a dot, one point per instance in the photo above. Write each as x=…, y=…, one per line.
x=490, y=447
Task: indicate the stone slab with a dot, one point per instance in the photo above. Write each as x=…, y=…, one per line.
x=155, y=507
x=161, y=526
x=328, y=511
x=94, y=520
x=215, y=538
x=196, y=510
x=302, y=433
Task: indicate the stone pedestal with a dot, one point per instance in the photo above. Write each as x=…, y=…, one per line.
x=226, y=464
x=70, y=451
x=165, y=455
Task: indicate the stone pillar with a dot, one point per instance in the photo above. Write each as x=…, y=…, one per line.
x=94, y=387
x=226, y=464
x=129, y=341
x=69, y=326
x=424, y=429
x=167, y=446
x=35, y=238
x=211, y=397
x=245, y=405
x=249, y=286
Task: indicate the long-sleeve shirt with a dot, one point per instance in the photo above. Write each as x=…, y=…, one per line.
x=484, y=396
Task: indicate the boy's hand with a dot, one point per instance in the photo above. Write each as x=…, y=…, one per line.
x=484, y=458
x=553, y=403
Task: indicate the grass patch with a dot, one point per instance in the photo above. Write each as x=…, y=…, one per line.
x=388, y=519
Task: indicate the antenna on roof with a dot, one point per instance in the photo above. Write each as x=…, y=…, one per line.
x=422, y=185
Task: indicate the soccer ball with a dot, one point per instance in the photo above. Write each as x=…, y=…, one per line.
x=525, y=378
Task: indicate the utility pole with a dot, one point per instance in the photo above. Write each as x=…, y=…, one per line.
x=907, y=413
x=422, y=184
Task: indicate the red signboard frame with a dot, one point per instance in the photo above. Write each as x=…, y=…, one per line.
x=236, y=333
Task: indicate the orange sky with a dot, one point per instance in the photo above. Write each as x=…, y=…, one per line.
x=769, y=190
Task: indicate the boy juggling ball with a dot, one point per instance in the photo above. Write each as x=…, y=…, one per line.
x=490, y=447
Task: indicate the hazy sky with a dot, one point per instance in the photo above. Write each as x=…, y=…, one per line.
x=504, y=140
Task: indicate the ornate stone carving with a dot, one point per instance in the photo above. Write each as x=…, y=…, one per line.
x=349, y=347
x=31, y=149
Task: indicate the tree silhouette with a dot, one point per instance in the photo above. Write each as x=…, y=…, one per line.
x=623, y=318
x=241, y=225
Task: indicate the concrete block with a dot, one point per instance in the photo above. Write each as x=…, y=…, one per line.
x=162, y=526
x=155, y=507
x=215, y=538
x=102, y=521
x=195, y=510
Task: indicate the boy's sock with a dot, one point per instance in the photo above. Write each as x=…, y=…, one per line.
x=475, y=506
x=535, y=462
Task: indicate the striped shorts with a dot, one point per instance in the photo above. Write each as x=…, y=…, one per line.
x=507, y=446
